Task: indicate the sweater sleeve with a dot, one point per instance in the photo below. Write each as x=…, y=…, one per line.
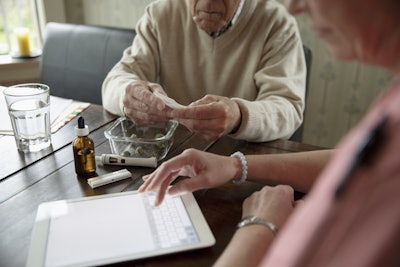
x=139, y=62
x=278, y=109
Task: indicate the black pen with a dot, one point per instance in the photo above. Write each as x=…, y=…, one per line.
x=363, y=153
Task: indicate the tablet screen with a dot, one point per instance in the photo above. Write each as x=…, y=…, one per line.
x=111, y=229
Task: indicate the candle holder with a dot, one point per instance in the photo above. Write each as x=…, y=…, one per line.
x=25, y=50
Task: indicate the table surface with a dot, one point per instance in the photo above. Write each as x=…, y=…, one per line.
x=26, y=180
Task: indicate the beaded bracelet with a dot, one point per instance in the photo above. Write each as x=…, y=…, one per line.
x=243, y=161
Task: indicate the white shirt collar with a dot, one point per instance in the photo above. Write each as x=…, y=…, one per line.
x=238, y=11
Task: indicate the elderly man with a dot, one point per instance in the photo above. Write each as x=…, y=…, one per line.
x=238, y=65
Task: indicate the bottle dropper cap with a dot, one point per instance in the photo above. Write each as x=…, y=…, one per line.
x=81, y=129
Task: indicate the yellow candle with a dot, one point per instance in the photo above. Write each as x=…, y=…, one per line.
x=23, y=39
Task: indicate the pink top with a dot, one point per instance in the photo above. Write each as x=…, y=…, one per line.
x=361, y=227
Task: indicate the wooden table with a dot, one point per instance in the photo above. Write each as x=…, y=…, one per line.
x=26, y=180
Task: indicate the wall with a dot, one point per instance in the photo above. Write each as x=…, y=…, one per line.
x=74, y=11
x=54, y=10
x=339, y=92
x=118, y=13
x=14, y=71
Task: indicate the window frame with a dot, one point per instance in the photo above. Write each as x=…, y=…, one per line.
x=37, y=18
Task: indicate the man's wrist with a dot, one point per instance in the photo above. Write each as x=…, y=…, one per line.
x=238, y=121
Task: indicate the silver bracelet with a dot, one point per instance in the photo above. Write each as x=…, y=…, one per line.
x=249, y=220
x=243, y=161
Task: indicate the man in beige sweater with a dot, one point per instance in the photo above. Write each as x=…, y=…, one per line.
x=238, y=65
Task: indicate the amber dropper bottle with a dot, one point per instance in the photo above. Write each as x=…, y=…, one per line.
x=83, y=148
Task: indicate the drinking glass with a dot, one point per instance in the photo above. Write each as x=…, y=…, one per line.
x=29, y=109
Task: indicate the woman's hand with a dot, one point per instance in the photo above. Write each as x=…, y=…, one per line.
x=273, y=204
x=204, y=170
x=250, y=243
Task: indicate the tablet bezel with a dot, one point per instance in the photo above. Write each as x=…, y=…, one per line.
x=38, y=244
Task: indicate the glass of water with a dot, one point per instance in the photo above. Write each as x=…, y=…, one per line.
x=29, y=109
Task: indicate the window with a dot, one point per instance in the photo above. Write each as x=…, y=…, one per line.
x=16, y=14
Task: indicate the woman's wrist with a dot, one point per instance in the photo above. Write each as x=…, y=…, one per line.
x=254, y=220
x=256, y=230
x=247, y=247
x=240, y=167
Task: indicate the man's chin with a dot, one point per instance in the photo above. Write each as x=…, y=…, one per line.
x=208, y=26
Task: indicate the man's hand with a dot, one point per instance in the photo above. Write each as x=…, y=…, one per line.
x=211, y=117
x=142, y=106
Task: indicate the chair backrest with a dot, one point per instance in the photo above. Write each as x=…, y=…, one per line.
x=298, y=134
x=77, y=58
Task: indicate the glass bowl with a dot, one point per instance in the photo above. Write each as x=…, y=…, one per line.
x=143, y=141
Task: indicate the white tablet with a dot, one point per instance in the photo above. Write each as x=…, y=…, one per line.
x=113, y=228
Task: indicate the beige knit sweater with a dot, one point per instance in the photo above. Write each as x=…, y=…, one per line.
x=259, y=62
